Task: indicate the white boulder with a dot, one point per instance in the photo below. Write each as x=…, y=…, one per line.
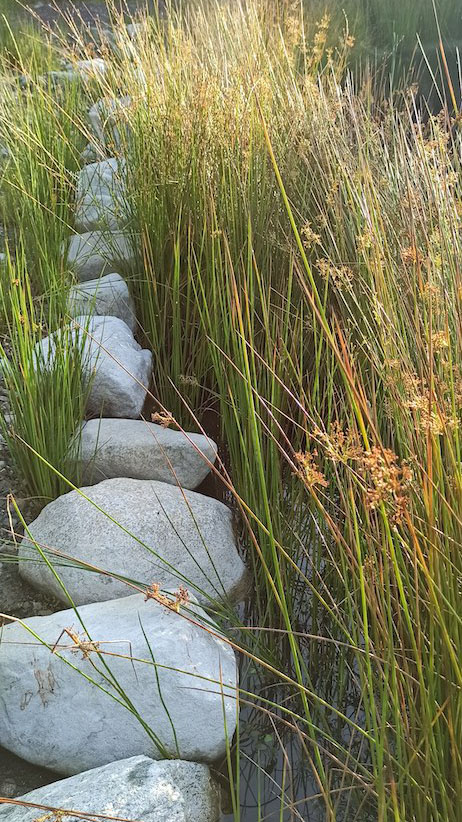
x=110, y=448
x=146, y=681
x=140, y=530
x=134, y=788
x=97, y=252
x=104, y=296
x=116, y=368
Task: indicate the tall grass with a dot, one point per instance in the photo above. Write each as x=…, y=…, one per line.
x=299, y=282
x=327, y=343
x=42, y=132
x=47, y=394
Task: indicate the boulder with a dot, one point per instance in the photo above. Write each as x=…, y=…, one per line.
x=92, y=153
x=141, y=530
x=96, y=67
x=134, y=788
x=142, y=450
x=102, y=39
x=105, y=296
x=100, y=201
x=97, y=252
x=135, y=30
x=116, y=368
x=135, y=678
x=108, y=119
x=58, y=78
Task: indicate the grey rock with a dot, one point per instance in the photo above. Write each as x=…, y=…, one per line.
x=92, y=153
x=102, y=38
x=100, y=199
x=134, y=788
x=105, y=296
x=97, y=252
x=108, y=119
x=135, y=30
x=116, y=366
x=89, y=69
x=57, y=78
x=53, y=716
x=99, y=179
x=112, y=448
x=141, y=530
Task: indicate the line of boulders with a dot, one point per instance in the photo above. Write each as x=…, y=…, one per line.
x=140, y=672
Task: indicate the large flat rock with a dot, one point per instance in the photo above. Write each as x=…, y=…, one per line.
x=110, y=448
x=98, y=252
x=134, y=788
x=159, y=695
x=115, y=365
x=107, y=296
x=146, y=531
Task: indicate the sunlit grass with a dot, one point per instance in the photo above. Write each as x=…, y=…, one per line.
x=299, y=283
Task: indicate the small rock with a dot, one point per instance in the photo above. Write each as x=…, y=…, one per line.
x=119, y=370
x=96, y=252
x=53, y=716
x=110, y=448
x=142, y=530
x=105, y=296
x=134, y=788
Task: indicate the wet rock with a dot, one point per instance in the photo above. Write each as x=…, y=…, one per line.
x=97, y=252
x=105, y=296
x=134, y=788
x=170, y=690
x=141, y=530
x=112, y=448
x=115, y=366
